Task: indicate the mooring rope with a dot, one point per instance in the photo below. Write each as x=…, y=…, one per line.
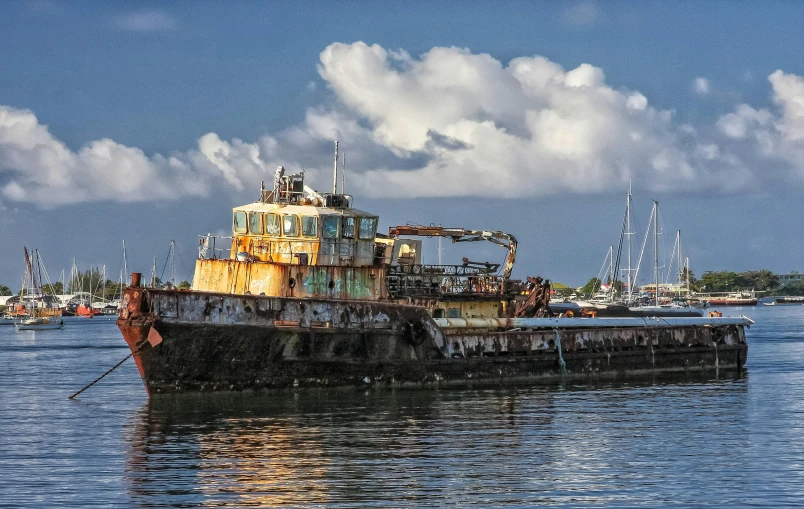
x=101, y=377
x=560, y=355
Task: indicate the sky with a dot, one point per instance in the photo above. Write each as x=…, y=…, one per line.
x=149, y=121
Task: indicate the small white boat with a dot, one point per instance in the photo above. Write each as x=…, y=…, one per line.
x=9, y=319
x=40, y=323
x=771, y=303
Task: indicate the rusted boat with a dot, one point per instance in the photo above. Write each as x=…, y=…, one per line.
x=307, y=293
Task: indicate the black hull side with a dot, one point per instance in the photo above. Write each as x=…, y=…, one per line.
x=198, y=358
x=194, y=341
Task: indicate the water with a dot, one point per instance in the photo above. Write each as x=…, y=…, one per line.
x=680, y=442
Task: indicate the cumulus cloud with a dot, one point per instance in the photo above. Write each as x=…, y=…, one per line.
x=446, y=123
x=772, y=142
x=527, y=128
x=38, y=168
x=147, y=21
x=701, y=86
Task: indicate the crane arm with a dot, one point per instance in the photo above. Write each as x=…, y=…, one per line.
x=503, y=239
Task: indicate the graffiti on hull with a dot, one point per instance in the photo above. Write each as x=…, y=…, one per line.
x=355, y=285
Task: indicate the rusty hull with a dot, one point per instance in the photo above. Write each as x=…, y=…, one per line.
x=186, y=341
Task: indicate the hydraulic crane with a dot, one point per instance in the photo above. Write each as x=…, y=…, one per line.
x=503, y=239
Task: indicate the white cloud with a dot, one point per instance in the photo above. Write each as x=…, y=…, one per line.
x=522, y=129
x=771, y=142
x=446, y=123
x=38, y=168
x=582, y=13
x=788, y=93
x=147, y=21
x=701, y=86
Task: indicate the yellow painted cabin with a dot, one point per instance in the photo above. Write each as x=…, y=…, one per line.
x=295, y=242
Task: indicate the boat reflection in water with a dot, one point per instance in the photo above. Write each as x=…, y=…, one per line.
x=420, y=448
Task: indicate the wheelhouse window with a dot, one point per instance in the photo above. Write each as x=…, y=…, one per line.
x=290, y=226
x=329, y=226
x=239, y=222
x=348, y=228
x=255, y=223
x=368, y=226
x=272, y=224
x=309, y=226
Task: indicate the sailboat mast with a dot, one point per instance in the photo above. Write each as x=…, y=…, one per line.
x=611, y=264
x=173, y=262
x=125, y=263
x=656, y=250
x=678, y=255
x=39, y=270
x=687, y=266
x=628, y=222
x=153, y=274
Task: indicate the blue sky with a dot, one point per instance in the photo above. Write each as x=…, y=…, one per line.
x=659, y=102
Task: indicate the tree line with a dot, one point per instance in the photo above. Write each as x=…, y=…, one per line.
x=719, y=281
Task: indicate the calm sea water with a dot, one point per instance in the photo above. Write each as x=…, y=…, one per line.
x=681, y=442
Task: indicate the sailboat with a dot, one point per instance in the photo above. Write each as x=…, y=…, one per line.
x=656, y=308
x=605, y=303
x=85, y=308
x=40, y=314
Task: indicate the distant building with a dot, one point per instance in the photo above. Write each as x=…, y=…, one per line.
x=792, y=277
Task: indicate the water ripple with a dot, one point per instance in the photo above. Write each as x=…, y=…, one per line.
x=663, y=442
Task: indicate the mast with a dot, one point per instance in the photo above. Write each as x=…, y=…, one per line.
x=335, y=171
x=678, y=254
x=687, y=265
x=125, y=264
x=343, y=173
x=29, y=269
x=153, y=274
x=611, y=272
x=656, y=250
x=173, y=262
x=38, y=261
x=628, y=222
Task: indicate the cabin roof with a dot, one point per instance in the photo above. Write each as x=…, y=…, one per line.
x=308, y=210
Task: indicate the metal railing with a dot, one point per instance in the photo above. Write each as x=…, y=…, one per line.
x=443, y=281
x=208, y=247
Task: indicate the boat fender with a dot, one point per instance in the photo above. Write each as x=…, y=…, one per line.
x=569, y=314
